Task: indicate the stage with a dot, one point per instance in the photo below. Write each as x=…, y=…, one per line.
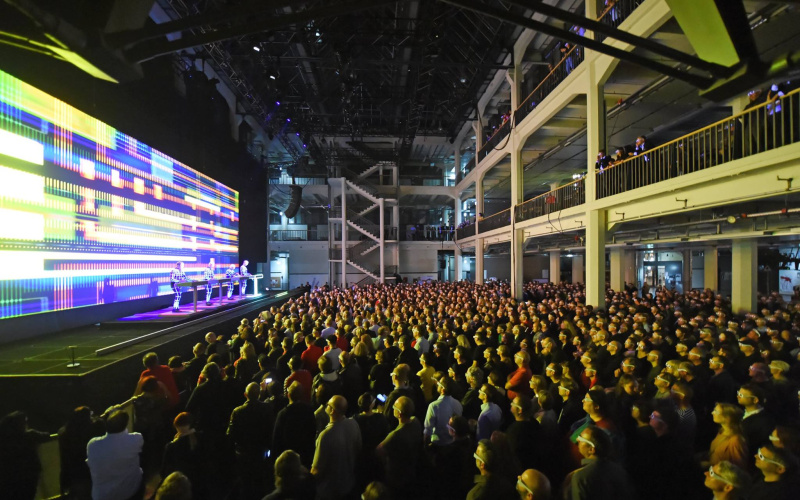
x=34, y=373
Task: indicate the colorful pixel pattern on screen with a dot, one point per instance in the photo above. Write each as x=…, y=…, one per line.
x=89, y=215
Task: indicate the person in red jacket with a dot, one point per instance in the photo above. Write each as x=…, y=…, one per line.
x=301, y=376
x=312, y=354
x=518, y=383
x=154, y=368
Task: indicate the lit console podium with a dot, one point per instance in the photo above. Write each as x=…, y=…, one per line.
x=195, y=284
x=243, y=278
x=220, y=281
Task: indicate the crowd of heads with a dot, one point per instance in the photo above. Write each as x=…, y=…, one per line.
x=659, y=395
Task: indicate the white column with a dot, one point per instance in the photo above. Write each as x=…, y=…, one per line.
x=458, y=257
x=382, y=243
x=343, y=282
x=396, y=226
x=744, y=274
x=595, y=125
x=617, y=262
x=555, y=267
x=596, y=259
x=577, y=268
x=477, y=126
x=710, y=270
x=517, y=178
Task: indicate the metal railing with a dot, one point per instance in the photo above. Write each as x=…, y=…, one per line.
x=389, y=272
x=495, y=221
x=311, y=234
x=499, y=135
x=427, y=233
x=614, y=14
x=303, y=181
x=569, y=195
x=764, y=127
x=565, y=66
x=359, y=248
x=363, y=184
x=465, y=232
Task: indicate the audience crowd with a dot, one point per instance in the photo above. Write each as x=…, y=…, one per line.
x=452, y=391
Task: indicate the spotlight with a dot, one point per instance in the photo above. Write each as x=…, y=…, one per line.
x=277, y=103
x=297, y=134
x=256, y=48
x=271, y=76
x=463, y=80
x=288, y=119
x=304, y=145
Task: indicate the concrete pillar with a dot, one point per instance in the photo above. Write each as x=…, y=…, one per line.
x=479, y=261
x=382, y=243
x=343, y=282
x=458, y=257
x=478, y=197
x=744, y=274
x=687, y=271
x=555, y=267
x=477, y=126
x=710, y=270
x=517, y=181
x=596, y=259
x=596, y=129
x=617, y=261
x=577, y=268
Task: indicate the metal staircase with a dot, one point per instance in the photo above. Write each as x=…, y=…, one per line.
x=360, y=207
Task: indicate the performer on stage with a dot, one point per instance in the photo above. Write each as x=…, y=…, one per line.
x=243, y=283
x=230, y=273
x=208, y=275
x=177, y=276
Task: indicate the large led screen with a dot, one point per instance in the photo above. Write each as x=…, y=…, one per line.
x=89, y=215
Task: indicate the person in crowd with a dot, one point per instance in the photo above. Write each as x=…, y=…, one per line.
x=729, y=444
x=533, y=485
x=175, y=486
x=162, y=373
x=292, y=479
x=778, y=469
x=250, y=431
x=295, y=427
x=82, y=426
x=757, y=423
x=187, y=454
x=337, y=451
x=727, y=481
x=19, y=459
x=491, y=416
x=489, y=484
x=113, y=460
x=401, y=451
x=599, y=477
x=439, y=413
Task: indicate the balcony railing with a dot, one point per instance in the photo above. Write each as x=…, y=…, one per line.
x=764, y=127
x=495, y=140
x=465, y=232
x=569, y=195
x=498, y=220
x=613, y=15
x=311, y=234
x=615, y=12
x=426, y=233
